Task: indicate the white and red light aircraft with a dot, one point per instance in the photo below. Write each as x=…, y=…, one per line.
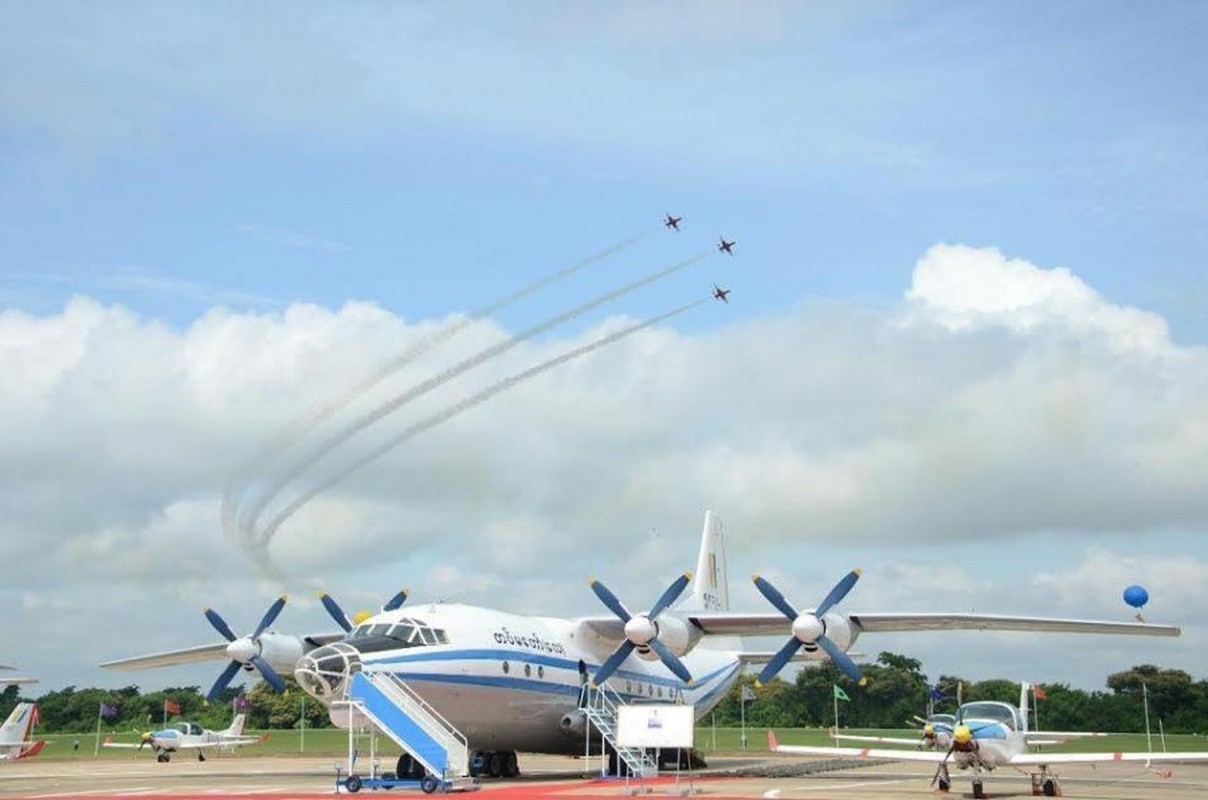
x=988, y=735
x=15, y=732
x=512, y=682
x=190, y=736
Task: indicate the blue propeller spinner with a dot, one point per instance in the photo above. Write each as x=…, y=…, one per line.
x=641, y=630
x=245, y=650
x=344, y=621
x=809, y=627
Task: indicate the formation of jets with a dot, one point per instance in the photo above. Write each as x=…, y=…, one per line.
x=190, y=736
x=984, y=736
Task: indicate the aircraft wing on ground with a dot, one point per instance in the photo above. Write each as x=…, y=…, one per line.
x=233, y=742
x=205, y=652
x=1045, y=759
x=125, y=745
x=930, y=756
x=845, y=737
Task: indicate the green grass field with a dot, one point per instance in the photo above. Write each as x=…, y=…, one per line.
x=334, y=743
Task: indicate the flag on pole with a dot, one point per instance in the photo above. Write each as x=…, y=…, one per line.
x=108, y=711
x=936, y=693
x=171, y=706
x=839, y=693
x=747, y=694
x=1038, y=693
x=242, y=703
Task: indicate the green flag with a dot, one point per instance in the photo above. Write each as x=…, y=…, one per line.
x=840, y=694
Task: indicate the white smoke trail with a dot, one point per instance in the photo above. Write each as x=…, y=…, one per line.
x=249, y=517
x=458, y=408
x=235, y=492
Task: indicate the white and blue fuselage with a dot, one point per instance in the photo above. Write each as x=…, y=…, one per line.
x=508, y=681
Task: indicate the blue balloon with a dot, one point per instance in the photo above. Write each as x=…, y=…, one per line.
x=1136, y=596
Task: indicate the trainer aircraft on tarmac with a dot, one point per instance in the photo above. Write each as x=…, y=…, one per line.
x=720, y=293
x=725, y=246
x=15, y=732
x=938, y=728
x=190, y=736
x=672, y=222
x=512, y=682
x=988, y=735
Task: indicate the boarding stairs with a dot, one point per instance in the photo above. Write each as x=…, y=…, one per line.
x=382, y=702
x=600, y=705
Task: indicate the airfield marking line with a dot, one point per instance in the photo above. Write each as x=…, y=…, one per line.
x=838, y=786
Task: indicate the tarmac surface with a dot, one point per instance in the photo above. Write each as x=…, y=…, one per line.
x=771, y=777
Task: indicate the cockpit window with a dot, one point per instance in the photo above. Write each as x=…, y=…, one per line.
x=971, y=713
x=404, y=633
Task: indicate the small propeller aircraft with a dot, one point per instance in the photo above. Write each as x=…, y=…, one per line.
x=672, y=222
x=512, y=682
x=988, y=735
x=938, y=728
x=720, y=293
x=15, y=732
x=190, y=736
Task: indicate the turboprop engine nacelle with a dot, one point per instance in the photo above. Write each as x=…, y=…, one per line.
x=281, y=650
x=675, y=633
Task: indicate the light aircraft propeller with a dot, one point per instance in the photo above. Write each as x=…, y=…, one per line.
x=343, y=620
x=809, y=627
x=245, y=651
x=641, y=630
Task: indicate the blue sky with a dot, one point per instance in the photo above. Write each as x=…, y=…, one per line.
x=255, y=202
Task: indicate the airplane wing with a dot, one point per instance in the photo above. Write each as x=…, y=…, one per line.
x=728, y=623
x=125, y=745
x=1056, y=737
x=1039, y=759
x=929, y=756
x=16, y=681
x=242, y=740
x=844, y=737
x=205, y=652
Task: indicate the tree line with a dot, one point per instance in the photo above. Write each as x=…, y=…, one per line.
x=72, y=710
x=896, y=691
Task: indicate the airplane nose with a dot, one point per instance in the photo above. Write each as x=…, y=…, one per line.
x=325, y=671
x=963, y=737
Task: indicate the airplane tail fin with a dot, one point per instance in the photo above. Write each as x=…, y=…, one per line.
x=20, y=723
x=710, y=592
x=33, y=749
x=237, y=724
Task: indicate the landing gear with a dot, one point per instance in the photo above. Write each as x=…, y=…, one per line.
x=201, y=756
x=1046, y=784
x=945, y=785
x=163, y=758
x=495, y=764
x=978, y=791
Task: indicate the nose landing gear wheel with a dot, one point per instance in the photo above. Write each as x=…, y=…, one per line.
x=978, y=792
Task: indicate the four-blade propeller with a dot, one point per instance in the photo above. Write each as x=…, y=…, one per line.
x=346, y=622
x=809, y=627
x=641, y=630
x=245, y=650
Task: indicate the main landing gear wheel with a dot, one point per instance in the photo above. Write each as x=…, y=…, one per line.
x=428, y=784
x=511, y=766
x=163, y=758
x=201, y=756
x=1050, y=788
x=978, y=791
x=495, y=765
x=945, y=784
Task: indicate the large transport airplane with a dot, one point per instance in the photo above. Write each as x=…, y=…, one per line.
x=988, y=735
x=15, y=732
x=512, y=682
